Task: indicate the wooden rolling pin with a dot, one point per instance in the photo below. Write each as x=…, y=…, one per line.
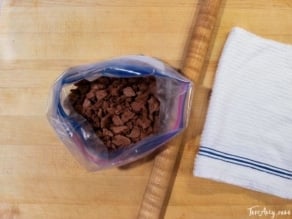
x=159, y=185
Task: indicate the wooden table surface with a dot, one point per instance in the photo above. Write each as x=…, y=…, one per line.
x=39, y=39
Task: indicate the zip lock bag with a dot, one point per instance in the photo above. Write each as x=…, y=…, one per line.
x=173, y=91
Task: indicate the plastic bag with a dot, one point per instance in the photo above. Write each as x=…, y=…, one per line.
x=173, y=91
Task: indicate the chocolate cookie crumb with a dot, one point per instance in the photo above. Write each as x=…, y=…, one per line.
x=121, y=111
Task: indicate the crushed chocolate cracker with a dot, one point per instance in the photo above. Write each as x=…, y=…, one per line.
x=121, y=140
x=107, y=132
x=121, y=111
x=100, y=94
x=135, y=133
x=117, y=120
x=119, y=129
x=86, y=104
x=153, y=105
x=137, y=106
x=127, y=115
x=129, y=92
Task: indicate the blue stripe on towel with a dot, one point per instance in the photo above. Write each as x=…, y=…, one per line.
x=246, y=162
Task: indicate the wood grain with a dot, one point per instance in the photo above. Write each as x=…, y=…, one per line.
x=39, y=39
x=160, y=182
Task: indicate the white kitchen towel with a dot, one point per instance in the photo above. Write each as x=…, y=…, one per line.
x=247, y=137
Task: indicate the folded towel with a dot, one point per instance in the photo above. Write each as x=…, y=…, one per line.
x=247, y=137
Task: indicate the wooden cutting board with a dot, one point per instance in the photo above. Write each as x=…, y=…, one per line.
x=39, y=39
